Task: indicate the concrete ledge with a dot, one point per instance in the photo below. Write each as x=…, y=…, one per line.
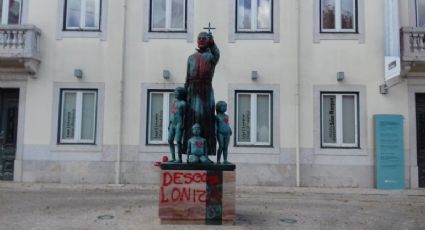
x=153, y=189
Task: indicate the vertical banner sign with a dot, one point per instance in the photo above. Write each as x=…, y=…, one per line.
x=392, y=40
x=389, y=151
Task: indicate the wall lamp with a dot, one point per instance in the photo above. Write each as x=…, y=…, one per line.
x=340, y=76
x=166, y=74
x=254, y=75
x=78, y=73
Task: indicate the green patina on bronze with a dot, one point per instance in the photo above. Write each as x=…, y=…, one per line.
x=200, y=94
x=197, y=147
x=223, y=131
x=176, y=126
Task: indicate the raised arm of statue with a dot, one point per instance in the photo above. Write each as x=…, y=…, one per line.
x=215, y=53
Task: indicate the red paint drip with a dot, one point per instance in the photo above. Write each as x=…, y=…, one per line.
x=199, y=144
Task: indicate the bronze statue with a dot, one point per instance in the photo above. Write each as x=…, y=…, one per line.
x=200, y=94
x=223, y=131
x=197, y=147
x=175, y=128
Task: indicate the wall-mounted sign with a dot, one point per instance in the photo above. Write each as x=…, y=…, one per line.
x=389, y=147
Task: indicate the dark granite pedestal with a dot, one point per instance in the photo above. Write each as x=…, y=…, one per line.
x=197, y=194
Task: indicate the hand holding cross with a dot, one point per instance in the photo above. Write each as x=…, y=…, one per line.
x=209, y=28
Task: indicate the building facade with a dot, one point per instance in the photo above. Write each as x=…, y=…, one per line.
x=86, y=87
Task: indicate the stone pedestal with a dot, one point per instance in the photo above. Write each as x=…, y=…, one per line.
x=197, y=194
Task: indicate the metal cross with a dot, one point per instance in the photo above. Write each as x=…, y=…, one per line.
x=209, y=28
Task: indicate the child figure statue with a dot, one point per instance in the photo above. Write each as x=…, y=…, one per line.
x=197, y=147
x=175, y=127
x=223, y=131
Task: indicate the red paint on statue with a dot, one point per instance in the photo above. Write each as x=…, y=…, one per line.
x=226, y=121
x=174, y=107
x=199, y=144
x=203, y=66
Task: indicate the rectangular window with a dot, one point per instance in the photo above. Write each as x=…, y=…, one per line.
x=10, y=12
x=78, y=116
x=168, y=15
x=420, y=13
x=339, y=115
x=159, y=103
x=82, y=15
x=338, y=15
x=253, y=118
x=254, y=15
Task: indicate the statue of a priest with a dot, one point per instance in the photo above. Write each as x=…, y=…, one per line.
x=200, y=94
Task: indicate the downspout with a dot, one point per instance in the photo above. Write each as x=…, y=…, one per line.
x=297, y=97
x=121, y=94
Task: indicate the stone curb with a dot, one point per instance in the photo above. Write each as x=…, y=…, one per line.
x=240, y=189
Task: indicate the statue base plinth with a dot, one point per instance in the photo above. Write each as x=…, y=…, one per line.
x=197, y=194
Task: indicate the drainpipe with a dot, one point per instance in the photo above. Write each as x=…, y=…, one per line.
x=297, y=97
x=121, y=94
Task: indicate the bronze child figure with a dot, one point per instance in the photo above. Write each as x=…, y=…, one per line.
x=197, y=147
x=223, y=131
x=175, y=127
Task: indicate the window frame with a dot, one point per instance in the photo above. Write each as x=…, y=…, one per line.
x=148, y=34
x=338, y=27
x=61, y=20
x=82, y=16
x=5, y=12
x=275, y=27
x=168, y=20
x=253, y=130
x=339, y=128
x=254, y=13
x=165, y=119
x=77, y=130
x=359, y=35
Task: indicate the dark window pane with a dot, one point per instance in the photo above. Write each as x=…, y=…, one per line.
x=1, y=11
x=177, y=14
x=88, y=116
x=158, y=14
x=14, y=16
x=328, y=14
x=156, y=116
x=244, y=118
x=264, y=14
x=92, y=14
x=329, y=119
x=244, y=14
x=348, y=119
x=347, y=14
x=73, y=13
x=68, y=115
x=420, y=13
x=263, y=118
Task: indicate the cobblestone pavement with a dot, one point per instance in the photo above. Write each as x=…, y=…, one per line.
x=69, y=207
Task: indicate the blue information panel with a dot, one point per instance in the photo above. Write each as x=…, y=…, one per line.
x=389, y=151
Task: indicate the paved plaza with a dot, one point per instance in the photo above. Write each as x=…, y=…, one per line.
x=69, y=207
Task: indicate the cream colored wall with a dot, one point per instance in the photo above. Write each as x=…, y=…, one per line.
x=363, y=64
x=99, y=60
x=276, y=63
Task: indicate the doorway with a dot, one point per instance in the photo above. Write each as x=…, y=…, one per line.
x=9, y=104
x=420, y=136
